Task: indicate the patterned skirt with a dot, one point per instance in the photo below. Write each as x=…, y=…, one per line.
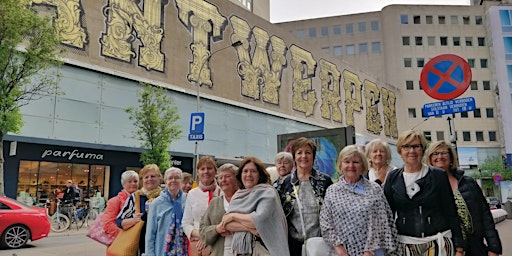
x=431, y=248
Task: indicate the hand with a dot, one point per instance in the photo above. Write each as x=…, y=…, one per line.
x=492, y=254
x=340, y=250
x=227, y=218
x=367, y=253
x=221, y=230
x=254, y=232
x=200, y=245
x=459, y=253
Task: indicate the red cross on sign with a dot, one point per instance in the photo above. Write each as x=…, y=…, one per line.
x=445, y=77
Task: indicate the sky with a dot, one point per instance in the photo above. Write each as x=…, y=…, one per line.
x=288, y=10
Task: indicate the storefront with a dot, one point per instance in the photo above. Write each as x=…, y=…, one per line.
x=37, y=169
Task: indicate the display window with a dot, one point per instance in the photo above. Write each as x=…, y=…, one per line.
x=40, y=180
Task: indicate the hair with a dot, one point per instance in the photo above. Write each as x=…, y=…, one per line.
x=409, y=135
x=150, y=168
x=451, y=151
x=206, y=160
x=129, y=175
x=173, y=169
x=349, y=151
x=228, y=167
x=301, y=142
x=187, y=178
x=378, y=142
x=264, y=177
x=284, y=156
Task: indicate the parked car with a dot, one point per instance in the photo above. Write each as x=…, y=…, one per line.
x=494, y=202
x=19, y=223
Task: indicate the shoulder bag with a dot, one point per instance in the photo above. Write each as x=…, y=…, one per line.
x=127, y=241
x=97, y=233
x=314, y=246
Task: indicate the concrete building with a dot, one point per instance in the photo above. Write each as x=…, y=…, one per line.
x=396, y=43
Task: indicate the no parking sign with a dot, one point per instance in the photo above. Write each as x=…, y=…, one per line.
x=445, y=77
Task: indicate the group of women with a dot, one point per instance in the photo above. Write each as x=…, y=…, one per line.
x=373, y=209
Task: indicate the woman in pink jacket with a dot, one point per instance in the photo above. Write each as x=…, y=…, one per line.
x=130, y=182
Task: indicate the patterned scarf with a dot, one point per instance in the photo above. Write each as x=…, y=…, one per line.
x=176, y=241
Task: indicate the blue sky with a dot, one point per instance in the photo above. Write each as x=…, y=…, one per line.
x=287, y=10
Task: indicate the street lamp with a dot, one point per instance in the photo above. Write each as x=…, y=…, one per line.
x=198, y=96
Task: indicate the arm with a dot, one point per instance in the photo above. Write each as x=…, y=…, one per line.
x=234, y=222
x=445, y=197
x=151, y=230
x=109, y=217
x=188, y=220
x=127, y=217
x=208, y=227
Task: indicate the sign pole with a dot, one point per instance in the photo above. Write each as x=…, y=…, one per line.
x=453, y=134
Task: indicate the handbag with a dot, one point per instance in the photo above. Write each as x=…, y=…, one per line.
x=127, y=241
x=97, y=233
x=314, y=246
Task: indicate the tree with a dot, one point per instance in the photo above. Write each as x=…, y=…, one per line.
x=28, y=48
x=493, y=165
x=155, y=119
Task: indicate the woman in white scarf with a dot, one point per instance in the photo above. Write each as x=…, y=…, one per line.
x=255, y=214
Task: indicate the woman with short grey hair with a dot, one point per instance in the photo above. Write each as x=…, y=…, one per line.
x=378, y=153
x=284, y=166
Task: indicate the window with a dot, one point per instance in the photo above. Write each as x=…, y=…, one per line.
x=440, y=135
x=361, y=27
x=471, y=63
x=492, y=136
x=486, y=85
x=337, y=50
x=454, y=19
x=416, y=19
x=429, y=19
x=420, y=62
x=418, y=40
x=404, y=19
x=483, y=63
x=409, y=85
x=489, y=112
x=441, y=19
x=407, y=62
x=479, y=20
x=474, y=85
x=466, y=136
x=419, y=85
x=443, y=40
x=351, y=49
x=336, y=30
x=456, y=41
x=326, y=49
x=479, y=136
x=469, y=41
x=464, y=114
x=374, y=25
x=300, y=33
x=465, y=20
x=477, y=113
x=363, y=48
x=349, y=28
x=312, y=32
x=428, y=135
x=324, y=31
x=481, y=41
x=406, y=40
x=375, y=46
x=431, y=40
x=412, y=112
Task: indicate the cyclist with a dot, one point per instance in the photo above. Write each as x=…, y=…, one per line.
x=69, y=198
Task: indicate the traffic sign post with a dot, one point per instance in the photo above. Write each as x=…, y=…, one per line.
x=196, y=126
x=449, y=107
x=445, y=77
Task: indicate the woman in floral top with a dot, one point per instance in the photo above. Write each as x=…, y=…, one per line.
x=310, y=186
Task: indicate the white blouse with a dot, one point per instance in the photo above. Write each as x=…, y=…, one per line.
x=195, y=207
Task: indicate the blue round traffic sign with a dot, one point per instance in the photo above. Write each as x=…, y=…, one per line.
x=445, y=77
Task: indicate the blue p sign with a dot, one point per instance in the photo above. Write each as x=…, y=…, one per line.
x=197, y=123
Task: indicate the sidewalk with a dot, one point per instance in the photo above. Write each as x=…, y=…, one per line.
x=70, y=232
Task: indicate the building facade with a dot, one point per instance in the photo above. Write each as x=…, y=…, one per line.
x=271, y=84
x=395, y=44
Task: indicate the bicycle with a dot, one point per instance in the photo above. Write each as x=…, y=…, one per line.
x=59, y=222
x=86, y=213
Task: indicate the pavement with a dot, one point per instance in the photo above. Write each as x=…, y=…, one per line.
x=70, y=232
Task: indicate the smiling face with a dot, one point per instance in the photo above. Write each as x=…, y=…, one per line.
x=206, y=174
x=304, y=158
x=151, y=180
x=250, y=175
x=379, y=156
x=131, y=185
x=412, y=152
x=440, y=158
x=173, y=182
x=284, y=167
x=352, y=167
x=227, y=182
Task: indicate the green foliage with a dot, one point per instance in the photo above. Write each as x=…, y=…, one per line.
x=490, y=166
x=155, y=119
x=28, y=48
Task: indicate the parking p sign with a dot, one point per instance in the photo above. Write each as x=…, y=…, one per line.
x=196, y=126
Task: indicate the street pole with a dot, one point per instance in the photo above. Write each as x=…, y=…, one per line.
x=198, y=98
x=453, y=133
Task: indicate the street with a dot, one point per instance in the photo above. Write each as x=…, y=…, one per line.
x=76, y=243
